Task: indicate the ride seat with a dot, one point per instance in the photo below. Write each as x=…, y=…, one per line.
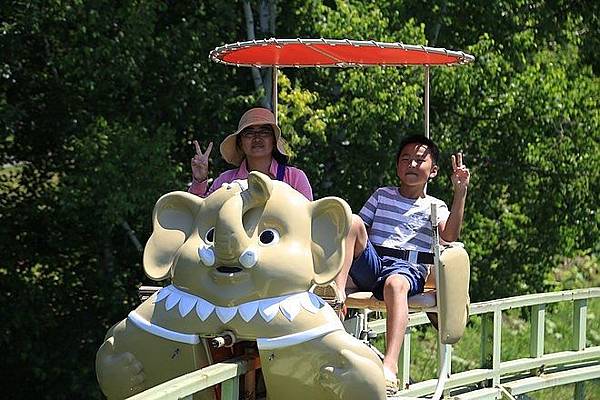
x=449, y=298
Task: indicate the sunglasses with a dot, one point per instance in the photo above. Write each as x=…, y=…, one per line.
x=257, y=132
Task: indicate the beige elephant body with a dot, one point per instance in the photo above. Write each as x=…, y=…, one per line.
x=242, y=260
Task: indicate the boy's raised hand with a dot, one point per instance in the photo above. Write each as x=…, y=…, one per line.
x=200, y=162
x=460, y=173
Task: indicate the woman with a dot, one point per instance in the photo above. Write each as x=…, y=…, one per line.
x=257, y=145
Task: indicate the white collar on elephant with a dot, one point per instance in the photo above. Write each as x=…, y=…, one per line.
x=289, y=305
x=262, y=343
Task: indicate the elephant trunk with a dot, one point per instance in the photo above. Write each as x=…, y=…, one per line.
x=230, y=236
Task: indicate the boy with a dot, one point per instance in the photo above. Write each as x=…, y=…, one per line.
x=395, y=219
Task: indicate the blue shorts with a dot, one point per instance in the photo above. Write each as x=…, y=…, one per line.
x=369, y=272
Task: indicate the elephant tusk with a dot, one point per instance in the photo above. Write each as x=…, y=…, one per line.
x=243, y=184
x=207, y=255
x=248, y=258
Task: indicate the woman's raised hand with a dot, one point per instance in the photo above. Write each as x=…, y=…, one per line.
x=200, y=162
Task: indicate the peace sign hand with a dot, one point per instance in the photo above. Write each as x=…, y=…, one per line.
x=460, y=174
x=200, y=162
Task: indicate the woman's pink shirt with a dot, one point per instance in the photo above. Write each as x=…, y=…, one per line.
x=293, y=176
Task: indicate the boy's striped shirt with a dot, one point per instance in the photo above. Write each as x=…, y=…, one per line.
x=399, y=222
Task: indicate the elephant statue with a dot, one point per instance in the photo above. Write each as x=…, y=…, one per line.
x=242, y=261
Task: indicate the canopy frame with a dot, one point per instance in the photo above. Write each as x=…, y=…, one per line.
x=281, y=53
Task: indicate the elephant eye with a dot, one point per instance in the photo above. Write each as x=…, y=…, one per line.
x=269, y=237
x=210, y=236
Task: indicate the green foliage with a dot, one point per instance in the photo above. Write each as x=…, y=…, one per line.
x=99, y=102
x=577, y=272
x=531, y=136
x=525, y=114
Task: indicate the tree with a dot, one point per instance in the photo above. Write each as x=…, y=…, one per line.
x=99, y=103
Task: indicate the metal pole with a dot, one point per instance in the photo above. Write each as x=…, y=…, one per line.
x=274, y=92
x=426, y=101
x=426, y=109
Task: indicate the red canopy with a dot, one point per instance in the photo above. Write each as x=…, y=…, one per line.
x=333, y=53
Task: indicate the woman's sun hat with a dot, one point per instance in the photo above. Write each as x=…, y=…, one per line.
x=255, y=116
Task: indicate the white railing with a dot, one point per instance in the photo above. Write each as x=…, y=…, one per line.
x=496, y=377
x=226, y=373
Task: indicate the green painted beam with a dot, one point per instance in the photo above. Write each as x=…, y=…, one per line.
x=579, y=391
x=545, y=381
x=506, y=368
x=497, y=350
x=455, y=381
x=404, y=361
x=481, y=394
x=487, y=341
x=378, y=325
x=196, y=381
x=533, y=299
x=538, y=322
x=579, y=324
x=230, y=389
x=549, y=360
x=420, y=318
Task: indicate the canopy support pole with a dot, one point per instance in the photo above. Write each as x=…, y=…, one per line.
x=426, y=111
x=426, y=101
x=274, y=92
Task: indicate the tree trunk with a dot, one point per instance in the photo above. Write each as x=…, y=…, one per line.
x=256, y=78
x=267, y=13
x=265, y=31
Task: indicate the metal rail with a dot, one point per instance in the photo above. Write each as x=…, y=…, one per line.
x=226, y=373
x=496, y=378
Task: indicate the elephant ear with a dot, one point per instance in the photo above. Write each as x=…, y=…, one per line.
x=260, y=187
x=173, y=223
x=331, y=219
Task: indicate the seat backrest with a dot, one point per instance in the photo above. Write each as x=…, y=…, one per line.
x=453, y=293
x=452, y=276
